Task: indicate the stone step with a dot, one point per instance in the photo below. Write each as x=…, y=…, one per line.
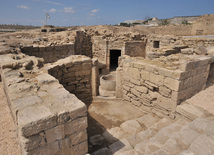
x=190, y=111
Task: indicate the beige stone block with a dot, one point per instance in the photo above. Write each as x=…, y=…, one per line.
x=150, y=85
x=196, y=79
x=135, y=92
x=173, y=84
x=156, y=79
x=150, y=68
x=201, y=70
x=52, y=148
x=78, y=137
x=165, y=72
x=83, y=73
x=125, y=87
x=141, y=89
x=134, y=73
x=56, y=133
x=32, y=142
x=135, y=81
x=186, y=65
x=145, y=75
x=34, y=119
x=76, y=126
x=187, y=83
x=80, y=149
x=165, y=91
x=136, y=103
x=166, y=103
x=140, y=65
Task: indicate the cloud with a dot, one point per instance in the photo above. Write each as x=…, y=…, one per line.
x=93, y=12
x=23, y=7
x=69, y=10
x=55, y=3
x=52, y=10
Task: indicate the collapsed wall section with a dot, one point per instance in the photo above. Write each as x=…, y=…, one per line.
x=154, y=87
x=49, y=119
x=49, y=53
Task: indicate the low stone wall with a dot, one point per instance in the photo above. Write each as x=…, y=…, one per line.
x=49, y=53
x=49, y=119
x=74, y=73
x=153, y=87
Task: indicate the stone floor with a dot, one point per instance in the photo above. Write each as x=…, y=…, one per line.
x=150, y=134
x=204, y=99
x=8, y=138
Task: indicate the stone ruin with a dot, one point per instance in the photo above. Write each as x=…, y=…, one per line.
x=48, y=87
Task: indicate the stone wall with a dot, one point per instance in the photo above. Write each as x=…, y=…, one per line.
x=135, y=49
x=49, y=53
x=154, y=87
x=75, y=73
x=49, y=119
x=83, y=44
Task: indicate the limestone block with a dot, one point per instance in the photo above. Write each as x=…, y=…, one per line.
x=148, y=120
x=23, y=102
x=136, y=103
x=187, y=83
x=141, y=89
x=131, y=126
x=76, y=125
x=203, y=125
x=150, y=68
x=45, y=79
x=172, y=146
x=81, y=148
x=125, y=87
x=165, y=91
x=156, y=79
x=188, y=51
x=134, y=73
x=139, y=65
x=32, y=142
x=161, y=124
x=83, y=73
x=189, y=111
x=136, y=82
x=34, y=119
x=52, y=148
x=135, y=92
x=196, y=79
x=201, y=50
x=186, y=65
x=145, y=75
x=54, y=134
x=150, y=85
x=173, y=84
x=165, y=72
x=202, y=145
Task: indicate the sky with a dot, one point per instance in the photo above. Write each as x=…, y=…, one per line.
x=97, y=12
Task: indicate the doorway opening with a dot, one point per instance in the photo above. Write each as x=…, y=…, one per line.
x=114, y=55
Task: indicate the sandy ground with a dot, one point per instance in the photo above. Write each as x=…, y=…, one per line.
x=8, y=138
x=204, y=99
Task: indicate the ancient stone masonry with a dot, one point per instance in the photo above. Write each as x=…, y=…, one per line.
x=49, y=53
x=154, y=84
x=49, y=119
x=83, y=44
x=75, y=74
